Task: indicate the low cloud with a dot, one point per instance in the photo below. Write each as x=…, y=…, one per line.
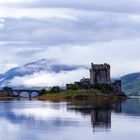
x=44, y=79
x=122, y=55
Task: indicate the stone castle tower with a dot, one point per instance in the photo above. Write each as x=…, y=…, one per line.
x=100, y=74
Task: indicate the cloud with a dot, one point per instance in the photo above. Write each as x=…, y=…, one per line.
x=123, y=55
x=16, y=1
x=73, y=32
x=44, y=79
x=118, y=53
x=125, y=6
x=14, y=54
x=80, y=27
x=2, y=23
x=66, y=25
x=62, y=13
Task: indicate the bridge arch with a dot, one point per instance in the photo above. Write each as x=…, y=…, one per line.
x=26, y=93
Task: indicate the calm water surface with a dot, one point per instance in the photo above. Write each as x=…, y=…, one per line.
x=77, y=120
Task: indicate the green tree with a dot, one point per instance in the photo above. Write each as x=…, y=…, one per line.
x=44, y=91
x=55, y=89
x=72, y=86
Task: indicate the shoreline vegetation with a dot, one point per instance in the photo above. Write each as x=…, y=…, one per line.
x=100, y=91
x=104, y=91
x=81, y=95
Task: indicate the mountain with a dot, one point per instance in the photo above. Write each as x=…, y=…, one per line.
x=43, y=65
x=131, y=84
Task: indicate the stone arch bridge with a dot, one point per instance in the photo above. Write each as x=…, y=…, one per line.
x=30, y=92
x=7, y=91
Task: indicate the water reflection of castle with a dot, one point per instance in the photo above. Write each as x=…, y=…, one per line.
x=100, y=113
x=101, y=118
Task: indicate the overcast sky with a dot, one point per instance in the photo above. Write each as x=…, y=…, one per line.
x=71, y=31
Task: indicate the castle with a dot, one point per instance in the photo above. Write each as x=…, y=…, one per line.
x=99, y=74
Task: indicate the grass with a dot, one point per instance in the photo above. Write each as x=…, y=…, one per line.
x=77, y=94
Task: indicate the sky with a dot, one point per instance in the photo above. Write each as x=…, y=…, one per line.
x=73, y=32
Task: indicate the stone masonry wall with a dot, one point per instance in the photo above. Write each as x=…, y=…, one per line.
x=100, y=74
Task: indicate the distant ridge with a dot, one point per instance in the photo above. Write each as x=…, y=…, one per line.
x=131, y=84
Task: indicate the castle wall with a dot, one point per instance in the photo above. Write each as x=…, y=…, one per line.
x=100, y=74
x=117, y=87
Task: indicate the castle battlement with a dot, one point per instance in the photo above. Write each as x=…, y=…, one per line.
x=100, y=66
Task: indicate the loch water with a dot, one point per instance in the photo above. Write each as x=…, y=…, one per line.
x=73, y=120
